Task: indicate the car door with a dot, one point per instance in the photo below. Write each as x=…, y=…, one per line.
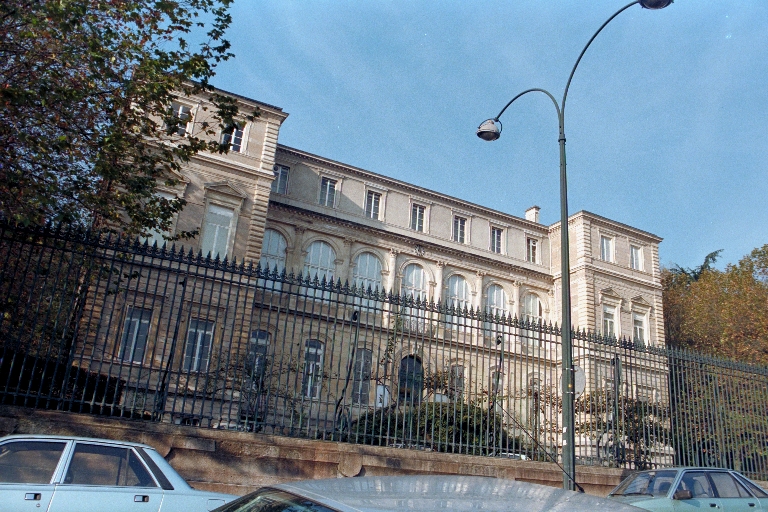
x=27, y=470
x=733, y=495
x=100, y=474
x=702, y=493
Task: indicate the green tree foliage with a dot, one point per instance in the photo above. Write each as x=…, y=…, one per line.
x=87, y=129
x=723, y=313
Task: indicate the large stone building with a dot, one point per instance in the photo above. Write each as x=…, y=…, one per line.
x=305, y=212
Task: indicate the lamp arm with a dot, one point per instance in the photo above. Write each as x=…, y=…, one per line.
x=568, y=85
x=557, y=107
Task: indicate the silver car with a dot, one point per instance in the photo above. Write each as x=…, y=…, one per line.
x=62, y=474
x=691, y=489
x=418, y=492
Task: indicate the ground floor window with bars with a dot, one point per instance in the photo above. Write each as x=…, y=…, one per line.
x=198, y=347
x=361, y=384
x=410, y=379
x=135, y=333
x=312, y=380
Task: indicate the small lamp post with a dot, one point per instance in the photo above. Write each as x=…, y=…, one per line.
x=490, y=130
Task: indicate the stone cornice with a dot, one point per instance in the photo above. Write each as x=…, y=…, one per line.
x=494, y=216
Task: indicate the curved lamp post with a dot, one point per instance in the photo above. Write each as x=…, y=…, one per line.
x=491, y=130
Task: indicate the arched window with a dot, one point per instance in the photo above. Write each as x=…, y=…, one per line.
x=366, y=275
x=414, y=285
x=320, y=264
x=411, y=379
x=532, y=313
x=272, y=256
x=495, y=305
x=458, y=298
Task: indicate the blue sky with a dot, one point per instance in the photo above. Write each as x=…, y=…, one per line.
x=665, y=118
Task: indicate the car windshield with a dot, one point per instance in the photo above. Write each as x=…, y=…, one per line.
x=647, y=483
x=272, y=500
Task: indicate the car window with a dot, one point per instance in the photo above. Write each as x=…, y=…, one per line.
x=272, y=500
x=29, y=462
x=727, y=487
x=698, y=483
x=93, y=464
x=757, y=491
x=656, y=483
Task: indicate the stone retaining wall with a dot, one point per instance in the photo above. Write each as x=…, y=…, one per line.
x=239, y=462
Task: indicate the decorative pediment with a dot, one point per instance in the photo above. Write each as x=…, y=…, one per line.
x=610, y=297
x=225, y=188
x=640, y=305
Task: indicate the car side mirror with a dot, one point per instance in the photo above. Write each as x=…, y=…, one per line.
x=682, y=494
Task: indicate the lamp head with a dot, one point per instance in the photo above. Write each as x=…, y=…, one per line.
x=655, y=4
x=489, y=130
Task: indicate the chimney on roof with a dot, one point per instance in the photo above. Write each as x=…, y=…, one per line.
x=532, y=214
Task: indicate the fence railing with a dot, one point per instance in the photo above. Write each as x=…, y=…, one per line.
x=99, y=324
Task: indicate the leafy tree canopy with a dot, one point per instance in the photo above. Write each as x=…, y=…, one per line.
x=724, y=313
x=87, y=129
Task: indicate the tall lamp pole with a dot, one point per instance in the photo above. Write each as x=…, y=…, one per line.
x=491, y=130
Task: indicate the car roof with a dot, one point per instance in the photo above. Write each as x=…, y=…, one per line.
x=433, y=492
x=47, y=437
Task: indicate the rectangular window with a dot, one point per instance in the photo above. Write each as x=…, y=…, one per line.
x=216, y=231
x=280, y=183
x=638, y=328
x=362, y=379
x=532, y=250
x=372, y=202
x=327, y=192
x=256, y=359
x=198, y=348
x=496, y=234
x=313, y=369
x=635, y=257
x=609, y=321
x=157, y=236
x=135, y=334
x=184, y=114
x=606, y=248
x=417, y=217
x=459, y=229
x=233, y=137
x=457, y=381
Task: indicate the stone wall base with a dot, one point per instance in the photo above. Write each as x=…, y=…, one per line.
x=240, y=462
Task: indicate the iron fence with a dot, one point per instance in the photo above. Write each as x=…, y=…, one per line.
x=96, y=323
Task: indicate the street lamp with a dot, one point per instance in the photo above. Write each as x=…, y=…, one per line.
x=491, y=130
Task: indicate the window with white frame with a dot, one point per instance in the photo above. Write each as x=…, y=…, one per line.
x=217, y=231
x=135, y=334
x=457, y=382
x=361, y=382
x=183, y=114
x=366, y=276
x=256, y=358
x=320, y=263
x=635, y=257
x=280, y=183
x=312, y=380
x=414, y=285
x=497, y=382
x=328, y=192
x=638, y=328
x=459, y=299
x=198, y=345
x=273, y=254
x=459, y=229
x=157, y=236
x=232, y=136
x=496, y=305
x=531, y=250
x=417, y=217
x=532, y=313
x=609, y=321
x=496, y=239
x=606, y=248
x=372, y=205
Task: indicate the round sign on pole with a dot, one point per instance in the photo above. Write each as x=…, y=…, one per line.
x=579, y=381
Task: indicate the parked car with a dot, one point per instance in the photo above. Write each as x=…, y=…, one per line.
x=59, y=473
x=689, y=489
x=418, y=492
